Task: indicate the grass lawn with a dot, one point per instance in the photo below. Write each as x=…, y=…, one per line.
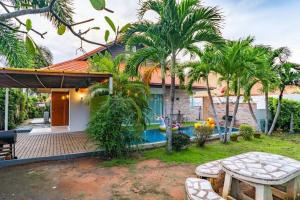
x=287, y=145
x=156, y=126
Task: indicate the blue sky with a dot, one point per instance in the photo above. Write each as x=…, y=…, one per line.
x=271, y=22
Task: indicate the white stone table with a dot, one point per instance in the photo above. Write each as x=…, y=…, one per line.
x=261, y=170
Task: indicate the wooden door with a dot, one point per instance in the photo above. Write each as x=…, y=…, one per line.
x=60, y=109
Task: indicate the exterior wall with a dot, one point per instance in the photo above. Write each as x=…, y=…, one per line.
x=243, y=114
x=182, y=103
x=79, y=111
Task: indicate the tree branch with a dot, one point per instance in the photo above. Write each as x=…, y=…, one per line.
x=13, y=29
x=22, y=23
x=69, y=26
x=85, y=21
x=18, y=13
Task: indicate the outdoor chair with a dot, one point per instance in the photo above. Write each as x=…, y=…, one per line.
x=213, y=173
x=7, y=144
x=200, y=189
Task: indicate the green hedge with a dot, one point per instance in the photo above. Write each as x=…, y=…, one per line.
x=19, y=108
x=287, y=108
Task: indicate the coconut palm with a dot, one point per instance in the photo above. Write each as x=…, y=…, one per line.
x=288, y=75
x=182, y=25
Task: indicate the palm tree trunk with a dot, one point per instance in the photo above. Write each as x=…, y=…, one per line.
x=213, y=108
x=277, y=112
x=267, y=112
x=172, y=99
x=163, y=84
x=236, y=107
x=227, y=113
x=253, y=115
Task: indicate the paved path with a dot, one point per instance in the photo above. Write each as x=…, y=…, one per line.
x=33, y=146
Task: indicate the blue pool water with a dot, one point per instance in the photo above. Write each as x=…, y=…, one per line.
x=154, y=135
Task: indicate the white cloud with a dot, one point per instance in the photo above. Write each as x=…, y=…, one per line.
x=270, y=22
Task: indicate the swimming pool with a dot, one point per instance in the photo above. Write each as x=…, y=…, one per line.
x=154, y=135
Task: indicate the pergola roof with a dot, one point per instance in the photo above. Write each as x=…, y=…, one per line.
x=41, y=78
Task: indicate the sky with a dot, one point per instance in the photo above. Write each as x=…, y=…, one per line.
x=271, y=22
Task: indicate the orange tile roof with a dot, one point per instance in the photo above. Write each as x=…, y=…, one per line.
x=80, y=64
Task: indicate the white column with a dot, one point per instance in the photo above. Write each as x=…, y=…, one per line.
x=110, y=85
x=6, y=109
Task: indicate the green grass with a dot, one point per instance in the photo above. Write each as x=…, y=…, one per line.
x=287, y=145
x=284, y=145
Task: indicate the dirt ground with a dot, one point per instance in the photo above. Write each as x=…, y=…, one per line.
x=85, y=179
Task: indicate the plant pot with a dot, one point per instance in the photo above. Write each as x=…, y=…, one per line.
x=234, y=138
x=257, y=135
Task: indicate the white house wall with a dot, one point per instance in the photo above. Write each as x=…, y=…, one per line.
x=79, y=111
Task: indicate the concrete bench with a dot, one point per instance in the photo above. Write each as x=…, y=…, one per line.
x=200, y=189
x=209, y=170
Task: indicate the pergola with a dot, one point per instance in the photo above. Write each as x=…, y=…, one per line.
x=49, y=79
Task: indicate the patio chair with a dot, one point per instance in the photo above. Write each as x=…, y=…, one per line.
x=213, y=173
x=200, y=189
x=7, y=144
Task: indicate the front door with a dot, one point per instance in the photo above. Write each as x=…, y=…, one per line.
x=60, y=109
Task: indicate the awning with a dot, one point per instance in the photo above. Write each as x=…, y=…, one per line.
x=34, y=78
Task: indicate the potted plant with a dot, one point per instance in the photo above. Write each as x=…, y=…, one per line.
x=234, y=137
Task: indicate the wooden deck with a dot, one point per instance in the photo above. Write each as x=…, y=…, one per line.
x=34, y=146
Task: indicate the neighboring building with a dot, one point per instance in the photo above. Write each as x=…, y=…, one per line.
x=159, y=106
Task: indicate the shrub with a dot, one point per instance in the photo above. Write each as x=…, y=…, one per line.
x=246, y=131
x=287, y=108
x=114, y=127
x=202, y=133
x=180, y=141
x=234, y=137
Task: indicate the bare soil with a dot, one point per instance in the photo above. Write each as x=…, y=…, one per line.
x=85, y=179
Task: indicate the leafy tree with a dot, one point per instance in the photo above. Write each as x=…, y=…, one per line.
x=44, y=58
x=120, y=120
x=288, y=75
x=182, y=25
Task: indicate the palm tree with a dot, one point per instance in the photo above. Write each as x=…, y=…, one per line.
x=182, y=25
x=201, y=70
x=229, y=63
x=135, y=92
x=147, y=34
x=288, y=75
x=43, y=58
x=254, y=61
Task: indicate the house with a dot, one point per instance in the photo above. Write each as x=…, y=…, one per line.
x=184, y=103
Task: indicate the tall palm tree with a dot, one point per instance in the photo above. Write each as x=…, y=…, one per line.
x=182, y=25
x=201, y=70
x=229, y=64
x=148, y=36
x=253, y=61
x=288, y=75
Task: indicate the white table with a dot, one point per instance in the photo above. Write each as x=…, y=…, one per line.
x=261, y=170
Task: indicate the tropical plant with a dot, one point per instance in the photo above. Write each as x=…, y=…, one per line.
x=182, y=25
x=229, y=62
x=203, y=133
x=246, y=131
x=122, y=116
x=43, y=58
x=288, y=75
x=201, y=71
x=59, y=12
x=180, y=141
x=290, y=109
x=148, y=36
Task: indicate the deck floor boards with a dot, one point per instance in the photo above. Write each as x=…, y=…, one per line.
x=45, y=145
